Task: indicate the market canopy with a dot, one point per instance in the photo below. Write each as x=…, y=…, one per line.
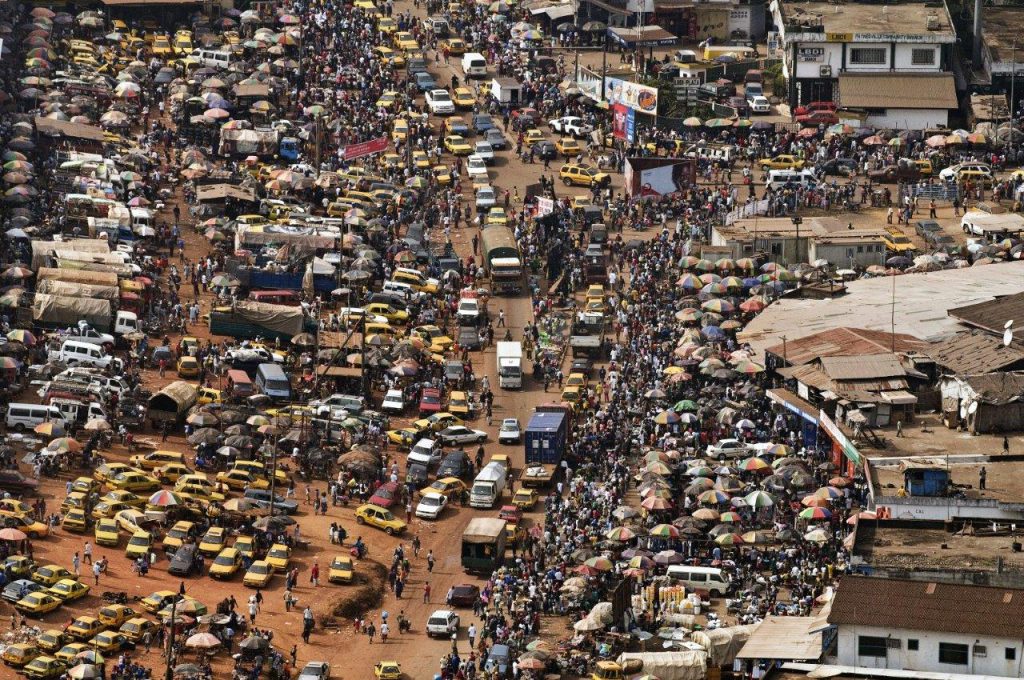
x=786, y=638
x=642, y=36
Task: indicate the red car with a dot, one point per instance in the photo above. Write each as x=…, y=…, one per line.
x=430, y=401
x=386, y=495
x=816, y=118
x=811, y=107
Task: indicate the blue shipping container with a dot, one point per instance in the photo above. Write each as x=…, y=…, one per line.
x=545, y=438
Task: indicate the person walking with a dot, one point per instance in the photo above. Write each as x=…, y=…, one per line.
x=371, y=630
x=384, y=630
x=982, y=474
x=471, y=632
x=426, y=592
x=430, y=561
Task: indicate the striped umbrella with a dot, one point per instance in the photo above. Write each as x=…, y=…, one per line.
x=689, y=282
x=600, y=564
x=815, y=513
x=164, y=498
x=706, y=514
x=730, y=517
x=658, y=468
x=23, y=336
x=50, y=429
x=620, y=534
x=664, y=531
x=714, y=497
x=65, y=445
x=746, y=263
x=666, y=418
x=704, y=266
x=718, y=306
x=828, y=492
x=656, y=503
x=813, y=501
x=759, y=499
x=641, y=562
x=709, y=277
x=689, y=315
x=754, y=464
x=685, y=405
x=780, y=450
x=729, y=539
x=700, y=471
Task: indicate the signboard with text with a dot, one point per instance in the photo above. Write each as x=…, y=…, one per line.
x=367, y=148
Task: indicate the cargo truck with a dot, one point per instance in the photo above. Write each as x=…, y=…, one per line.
x=545, y=441
x=488, y=486
x=510, y=365
x=502, y=259
x=259, y=319
x=483, y=545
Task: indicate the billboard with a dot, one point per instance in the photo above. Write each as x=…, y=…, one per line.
x=632, y=95
x=655, y=177
x=368, y=148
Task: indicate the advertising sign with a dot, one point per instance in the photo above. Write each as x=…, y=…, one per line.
x=367, y=148
x=633, y=95
x=619, y=113
x=840, y=439
x=630, y=125
x=654, y=177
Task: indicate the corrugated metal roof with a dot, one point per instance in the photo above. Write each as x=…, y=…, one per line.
x=783, y=637
x=903, y=91
x=976, y=352
x=920, y=605
x=997, y=388
x=863, y=367
x=845, y=341
x=992, y=315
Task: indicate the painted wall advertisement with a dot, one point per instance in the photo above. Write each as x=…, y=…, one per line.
x=632, y=95
x=654, y=177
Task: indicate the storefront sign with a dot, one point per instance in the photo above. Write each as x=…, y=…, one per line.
x=632, y=95
x=810, y=53
x=838, y=37
x=619, y=112
x=368, y=148
x=841, y=440
x=545, y=206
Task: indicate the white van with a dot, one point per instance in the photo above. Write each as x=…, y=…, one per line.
x=777, y=179
x=724, y=153
x=474, y=65
x=78, y=353
x=214, y=58
x=709, y=579
x=400, y=288
x=21, y=417
x=77, y=411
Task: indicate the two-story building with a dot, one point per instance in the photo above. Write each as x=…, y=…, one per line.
x=890, y=63
x=928, y=627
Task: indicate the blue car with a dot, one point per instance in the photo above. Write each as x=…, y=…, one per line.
x=425, y=82
x=482, y=122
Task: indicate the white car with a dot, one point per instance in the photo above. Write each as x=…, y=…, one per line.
x=486, y=198
x=431, y=505
x=484, y=150
x=476, y=167
x=759, y=104
x=439, y=101
x=572, y=125
x=510, y=432
x=729, y=448
x=393, y=401
x=425, y=452
x=347, y=314
x=460, y=434
x=443, y=622
x=971, y=170
x=244, y=354
x=468, y=311
x=90, y=335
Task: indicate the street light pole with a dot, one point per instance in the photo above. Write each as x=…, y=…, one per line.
x=169, y=675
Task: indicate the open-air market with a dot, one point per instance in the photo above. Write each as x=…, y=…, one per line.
x=452, y=339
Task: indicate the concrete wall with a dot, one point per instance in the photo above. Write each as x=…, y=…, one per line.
x=926, y=657
x=843, y=254
x=942, y=509
x=914, y=119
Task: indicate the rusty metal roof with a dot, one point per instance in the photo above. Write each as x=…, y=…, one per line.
x=992, y=315
x=976, y=352
x=845, y=341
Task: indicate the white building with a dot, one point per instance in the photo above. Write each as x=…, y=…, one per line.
x=891, y=63
x=929, y=627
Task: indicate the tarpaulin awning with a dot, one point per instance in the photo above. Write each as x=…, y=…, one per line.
x=642, y=36
x=783, y=637
x=566, y=9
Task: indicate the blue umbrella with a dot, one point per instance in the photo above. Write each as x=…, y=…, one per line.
x=712, y=332
x=750, y=282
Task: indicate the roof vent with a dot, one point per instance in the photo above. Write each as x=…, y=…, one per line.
x=930, y=589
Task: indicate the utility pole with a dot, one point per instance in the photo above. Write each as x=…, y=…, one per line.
x=1013, y=82
x=169, y=675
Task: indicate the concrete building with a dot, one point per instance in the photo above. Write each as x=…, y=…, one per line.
x=691, y=20
x=902, y=624
x=814, y=238
x=891, y=62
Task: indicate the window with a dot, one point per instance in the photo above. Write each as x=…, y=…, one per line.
x=867, y=55
x=922, y=56
x=877, y=646
x=952, y=653
x=776, y=248
x=1010, y=653
x=980, y=650
x=912, y=645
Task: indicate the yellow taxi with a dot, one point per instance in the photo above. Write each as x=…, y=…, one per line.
x=245, y=546
x=13, y=506
x=209, y=395
x=388, y=100
x=387, y=25
x=572, y=394
x=26, y=524
x=182, y=43
x=171, y=472
x=400, y=129
x=457, y=145
x=37, y=603
x=161, y=46
x=458, y=403
x=278, y=556
x=157, y=600
x=443, y=175
x=20, y=653
x=68, y=590
x=135, y=629
x=497, y=215
x=130, y=520
x=404, y=437
x=294, y=411
x=212, y=541
x=51, y=640
x=75, y=499
x=455, y=46
x=781, y=162
x=107, y=509
x=258, y=575
x=68, y=652
x=399, y=316
x=188, y=367
x=114, y=615
x=438, y=421
x=241, y=479
x=532, y=136
x=155, y=459
x=341, y=570
x=44, y=667
x=84, y=627
x=85, y=485
x=108, y=642
x=75, y=520
x=451, y=487
x=381, y=518
x=433, y=335
x=403, y=40
x=420, y=159
x=567, y=146
x=574, y=174
x=226, y=563
x=576, y=380
x=126, y=497
x=106, y=532
x=524, y=498
x=258, y=469
x=139, y=544
x=463, y=98
x=177, y=535
x=18, y=565
x=387, y=670
x=134, y=482
x=107, y=471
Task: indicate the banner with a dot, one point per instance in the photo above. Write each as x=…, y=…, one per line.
x=633, y=95
x=368, y=148
x=840, y=439
x=619, y=115
x=651, y=177
x=630, y=125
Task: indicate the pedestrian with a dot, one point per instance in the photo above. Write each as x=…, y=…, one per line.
x=982, y=474
x=430, y=561
x=1006, y=444
x=287, y=599
x=899, y=428
x=471, y=632
x=76, y=563
x=314, y=574
x=87, y=552
x=384, y=630
x=426, y=592
x=96, y=569
x=370, y=632
x=253, y=608
x=501, y=318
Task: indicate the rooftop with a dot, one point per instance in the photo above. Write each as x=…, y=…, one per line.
x=863, y=367
x=910, y=90
x=1001, y=28
x=939, y=607
x=891, y=547
x=975, y=352
x=900, y=18
x=820, y=228
x=1004, y=482
x=845, y=342
x=921, y=304
x=992, y=315
x=997, y=388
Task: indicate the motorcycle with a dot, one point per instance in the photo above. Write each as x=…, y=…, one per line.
x=404, y=624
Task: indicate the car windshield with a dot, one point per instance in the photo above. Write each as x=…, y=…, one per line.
x=341, y=564
x=278, y=552
x=431, y=500
x=260, y=568
x=139, y=540
x=224, y=560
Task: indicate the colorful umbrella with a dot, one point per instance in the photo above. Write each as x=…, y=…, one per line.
x=666, y=418
x=754, y=464
x=656, y=503
x=759, y=499
x=164, y=498
x=664, y=531
x=714, y=497
x=65, y=445
x=620, y=534
x=23, y=336
x=815, y=513
x=599, y=563
x=730, y=517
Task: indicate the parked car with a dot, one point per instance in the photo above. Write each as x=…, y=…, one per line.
x=393, y=401
x=728, y=448
x=545, y=150
x=465, y=595
x=261, y=497
x=184, y=562
x=510, y=431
